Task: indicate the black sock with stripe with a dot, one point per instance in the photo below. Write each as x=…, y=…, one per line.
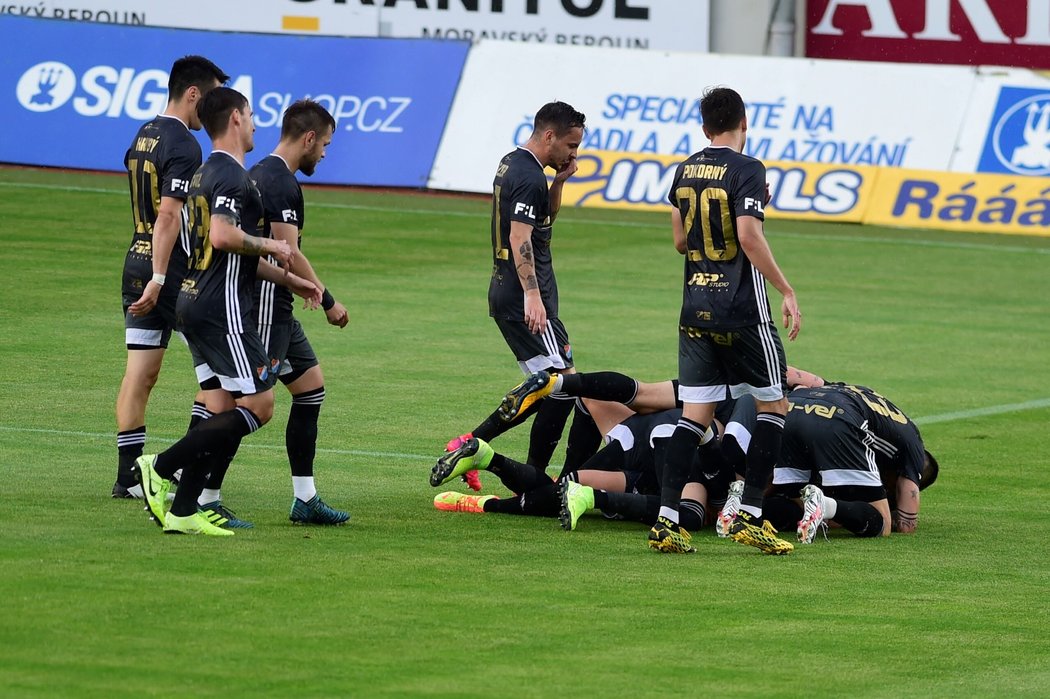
x=761, y=458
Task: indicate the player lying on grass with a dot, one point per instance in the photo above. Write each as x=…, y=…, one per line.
x=641, y=397
x=619, y=479
x=837, y=440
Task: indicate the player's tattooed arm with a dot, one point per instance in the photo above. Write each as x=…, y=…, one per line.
x=906, y=516
x=225, y=235
x=526, y=267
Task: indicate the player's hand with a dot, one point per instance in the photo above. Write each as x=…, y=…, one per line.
x=337, y=315
x=567, y=170
x=305, y=288
x=281, y=251
x=148, y=301
x=535, y=313
x=792, y=315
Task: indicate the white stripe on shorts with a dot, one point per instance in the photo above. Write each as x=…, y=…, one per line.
x=141, y=336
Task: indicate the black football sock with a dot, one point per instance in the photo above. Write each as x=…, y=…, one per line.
x=761, y=457
x=678, y=458
x=861, y=518
x=214, y=435
x=782, y=512
x=691, y=514
x=631, y=506
x=547, y=429
x=677, y=401
x=600, y=385
x=198, y=413
x=504, y=506
x=300, y=435
x=544, y=501
x=493, y=426
x=516, y=476
x=218, y=465
x=584, y=439
x=541, y=502
x=130, y=444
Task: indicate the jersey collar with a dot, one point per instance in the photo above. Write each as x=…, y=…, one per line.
x=274, y=155
x=532, y=154
x=228, y=155
x=172, y=116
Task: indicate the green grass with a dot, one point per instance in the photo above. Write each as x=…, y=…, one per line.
x=407, y=601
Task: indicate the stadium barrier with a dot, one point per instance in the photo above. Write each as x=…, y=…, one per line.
x=637, y=24
x=88, y=87
x=885, y=196
x=950, y=147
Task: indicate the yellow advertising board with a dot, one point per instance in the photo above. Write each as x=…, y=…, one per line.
x=641, y=181
x=961, y=202
x=887, y=196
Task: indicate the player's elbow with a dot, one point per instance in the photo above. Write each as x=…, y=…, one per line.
x=225, y=239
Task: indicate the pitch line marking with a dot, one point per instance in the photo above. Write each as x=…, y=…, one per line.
x=981, y=412
x=595, y=222
x=927, y=420
x=248, y=445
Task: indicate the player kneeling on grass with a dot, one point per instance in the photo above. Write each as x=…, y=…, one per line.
x=846, y=434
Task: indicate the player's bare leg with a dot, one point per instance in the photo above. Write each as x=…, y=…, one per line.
x=140, y=376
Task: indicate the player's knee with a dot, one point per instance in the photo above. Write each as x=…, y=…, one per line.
x=872, y=523
x=261, y=405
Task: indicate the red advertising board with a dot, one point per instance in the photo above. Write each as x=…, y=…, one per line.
x=973, y=32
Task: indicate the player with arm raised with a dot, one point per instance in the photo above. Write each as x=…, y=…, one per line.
x=523, y=291
x=727, y=340
x=160, y=162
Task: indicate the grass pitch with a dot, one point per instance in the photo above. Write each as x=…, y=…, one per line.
x=407, y=601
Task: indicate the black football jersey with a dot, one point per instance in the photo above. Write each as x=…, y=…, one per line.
x=891, y=434
x=160, y=162
x=216, y=295
x=282, y=203
x=712, y=189
x=896, y=440
x=520, y=193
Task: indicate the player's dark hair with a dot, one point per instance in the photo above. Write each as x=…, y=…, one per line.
x=722, y=109
x=930, y=469
x=215, y=109
x=193, y=71
x=304, y=116
x=558, y=116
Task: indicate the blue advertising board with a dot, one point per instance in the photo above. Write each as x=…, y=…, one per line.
x=1018, y=138
x=72, y=94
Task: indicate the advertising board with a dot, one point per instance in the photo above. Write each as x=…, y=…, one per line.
x=798, y=109
x=87, y=87
x=636, y=24
x=808, y=191
x=961, y=202
x=972, y=32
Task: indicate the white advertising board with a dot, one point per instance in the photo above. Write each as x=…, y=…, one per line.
x=798, y=109
x=1007, y=126
x=640, y=24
